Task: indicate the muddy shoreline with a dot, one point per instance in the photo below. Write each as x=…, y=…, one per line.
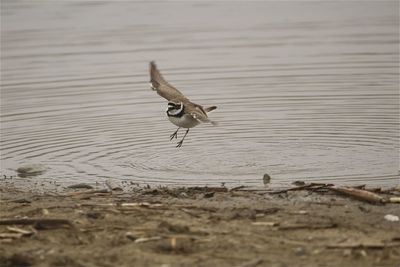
x=194, y=226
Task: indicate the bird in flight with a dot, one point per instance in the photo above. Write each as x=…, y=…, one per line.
x=180, y=111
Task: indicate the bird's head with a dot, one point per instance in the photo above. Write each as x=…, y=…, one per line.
x=174, y=108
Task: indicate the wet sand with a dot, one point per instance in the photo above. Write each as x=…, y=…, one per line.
x=195, y=227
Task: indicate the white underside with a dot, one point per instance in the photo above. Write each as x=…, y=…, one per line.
x=186, y=121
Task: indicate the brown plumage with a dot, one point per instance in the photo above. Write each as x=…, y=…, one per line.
x=181, y=111
x=167, y=91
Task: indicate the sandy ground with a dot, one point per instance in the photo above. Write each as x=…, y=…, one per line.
x=194, y=227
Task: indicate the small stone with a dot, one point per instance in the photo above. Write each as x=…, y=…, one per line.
x=346, y=252
x=362, y=253
x=31, y=170
x=299, y=251
x=391, y=218
x=266, y=179
x=298, y=183
x=316, y=252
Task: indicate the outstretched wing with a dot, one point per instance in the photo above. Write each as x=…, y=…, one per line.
x=163, y=88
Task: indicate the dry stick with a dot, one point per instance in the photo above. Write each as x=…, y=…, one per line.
x=394, y=200
x=88, y=192
x=311, y=186
x=361, y=245
x=237, y=188
x=306, y=226
x=208, y=189
x=252, y=263
x=363, y=195
x=359, y=194
x=19, y=230
x=48, y=222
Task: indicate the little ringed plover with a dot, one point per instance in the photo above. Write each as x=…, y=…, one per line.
x=180, y=111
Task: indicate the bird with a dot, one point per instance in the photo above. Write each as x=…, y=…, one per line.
x=180, y=110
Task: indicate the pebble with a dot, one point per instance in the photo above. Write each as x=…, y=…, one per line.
x=299, y=251
x=31, y=170
x=347, y=252
x=391, y=218
x=266, y=179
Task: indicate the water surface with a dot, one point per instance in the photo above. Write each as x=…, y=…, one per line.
x=305, y=91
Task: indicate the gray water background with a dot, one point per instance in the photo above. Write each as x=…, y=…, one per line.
x=305, y=91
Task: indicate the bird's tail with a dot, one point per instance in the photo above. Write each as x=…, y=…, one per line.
x=214, y=123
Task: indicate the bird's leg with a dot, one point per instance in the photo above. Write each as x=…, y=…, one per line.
x=175, y=134
x=180, y=142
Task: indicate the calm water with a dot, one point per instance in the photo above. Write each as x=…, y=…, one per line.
x=304, y=91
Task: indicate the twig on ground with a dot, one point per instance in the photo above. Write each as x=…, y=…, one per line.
x=237, y=188
x=10, y=235
x=89, y=192
x=39, y=223
x=147, y=239
x=208, y=189
x=394, y=200
x=20, y=231
x=362, y=195
x=311, y=186
x=252, y=263
x=364, y=245
x=307, y=226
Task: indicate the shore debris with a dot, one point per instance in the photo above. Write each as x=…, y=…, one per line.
x=38, y=223
x=252, y=263
x=162, y=225
x=391, y=218
x=20, y=231
x=80, y=186
x=265, y=223
x=90, y=192
x=310, y=186
x=237, y=188
x=360, y=194
x=369, y=245
x=147, y=239
x=394, y=199
x=113, y=186
x=307, y=226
